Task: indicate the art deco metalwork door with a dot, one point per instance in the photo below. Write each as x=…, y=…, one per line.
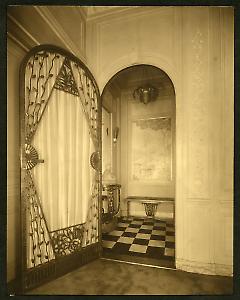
x=60, y=164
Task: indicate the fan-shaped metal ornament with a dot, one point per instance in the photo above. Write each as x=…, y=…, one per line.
x=31, y=156
x=95, y=160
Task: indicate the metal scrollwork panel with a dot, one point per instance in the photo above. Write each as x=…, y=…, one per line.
x=47, y=68
x=89, y=97
x=39, y=249
x=67, y=240
x=40, y=73
x=150, y=209
x=65, y=80
x=91, y=233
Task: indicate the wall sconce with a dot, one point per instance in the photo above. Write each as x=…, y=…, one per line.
x=115, y=134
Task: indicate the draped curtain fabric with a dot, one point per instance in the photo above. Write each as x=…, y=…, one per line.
x=41, y=72
x=63, y=181
x=40, y=76
x=89, y=102
x=62, y=127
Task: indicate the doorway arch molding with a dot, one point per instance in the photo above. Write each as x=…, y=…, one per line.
x=131, y=60
x=171, y=71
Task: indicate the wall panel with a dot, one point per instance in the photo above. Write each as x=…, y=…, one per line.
x=194, y=46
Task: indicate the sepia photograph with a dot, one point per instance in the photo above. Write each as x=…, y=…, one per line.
x=120, y=150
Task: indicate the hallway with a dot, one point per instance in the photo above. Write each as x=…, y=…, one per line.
x=142, y=240
x=104, y=277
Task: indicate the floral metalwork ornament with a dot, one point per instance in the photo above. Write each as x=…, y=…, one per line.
x=68, y=240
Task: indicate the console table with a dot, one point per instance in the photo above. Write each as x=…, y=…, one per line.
x=150, y=204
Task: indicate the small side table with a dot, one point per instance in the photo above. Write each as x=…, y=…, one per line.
x=150, y=204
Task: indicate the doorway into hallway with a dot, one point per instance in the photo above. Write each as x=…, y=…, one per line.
x=138, y=166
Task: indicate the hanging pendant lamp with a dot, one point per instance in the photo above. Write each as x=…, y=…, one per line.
x=146, y=92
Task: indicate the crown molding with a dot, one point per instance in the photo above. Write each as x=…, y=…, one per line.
x=16, y=41
x=125, y=12
x=109, y=11
x=82, y=10
x=17, y=33
x=56, y=27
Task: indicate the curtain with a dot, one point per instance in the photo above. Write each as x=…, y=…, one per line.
x=62, y=127
x=40, y=76
x=63, y=180
x=41, y=72
x=89, y=102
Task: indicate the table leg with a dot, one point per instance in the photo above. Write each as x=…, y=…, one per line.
x=150, y=209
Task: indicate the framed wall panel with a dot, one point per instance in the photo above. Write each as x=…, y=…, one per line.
x=151, y=150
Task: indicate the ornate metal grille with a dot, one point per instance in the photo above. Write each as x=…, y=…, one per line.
x=39, y=247
x=40, y=75
x=67, y=240
x=45, y=68
x=91, y=225
x=88, y=94
x=150, y=209
x=65, y=80
x=31, y=157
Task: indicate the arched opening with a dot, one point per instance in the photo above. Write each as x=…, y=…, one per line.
x=139, y=166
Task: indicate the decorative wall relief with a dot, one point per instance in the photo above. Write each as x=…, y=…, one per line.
x=151, y=150
x=198, y=129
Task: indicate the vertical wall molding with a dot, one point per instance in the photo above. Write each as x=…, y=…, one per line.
x=198, y=116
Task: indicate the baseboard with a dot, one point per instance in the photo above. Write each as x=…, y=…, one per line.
x=13, y=287
x=204, y=268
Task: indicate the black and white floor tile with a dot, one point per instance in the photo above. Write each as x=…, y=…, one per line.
x=142, y=237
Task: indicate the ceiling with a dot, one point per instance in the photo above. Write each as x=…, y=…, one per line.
x=93, y=12
x=133, y=77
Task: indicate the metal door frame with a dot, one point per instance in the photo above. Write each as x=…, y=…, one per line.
x=59, y=266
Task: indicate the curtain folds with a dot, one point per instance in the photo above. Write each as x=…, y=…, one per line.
x=64, y=180
x=40, y=76
x=63, y=128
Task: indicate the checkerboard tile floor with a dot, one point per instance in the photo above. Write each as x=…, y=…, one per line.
x=142, y=237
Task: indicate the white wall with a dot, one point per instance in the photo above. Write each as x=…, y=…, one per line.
x=132, y=110
x=194, y=46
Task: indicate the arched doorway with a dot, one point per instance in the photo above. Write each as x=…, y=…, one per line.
x=138, y=133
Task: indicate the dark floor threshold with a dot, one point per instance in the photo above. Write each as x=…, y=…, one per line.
x=141, y=260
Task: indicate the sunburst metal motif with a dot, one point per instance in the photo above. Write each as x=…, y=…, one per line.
x=95, y=160
x=65, y=80
x=31, y=157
